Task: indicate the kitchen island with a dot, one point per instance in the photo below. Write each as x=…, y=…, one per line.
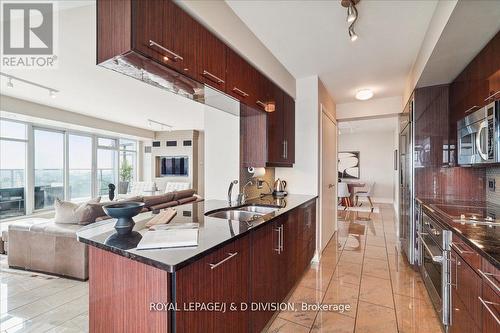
x=208, y=288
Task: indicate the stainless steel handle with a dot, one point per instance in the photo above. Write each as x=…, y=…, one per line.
x=470, y=109
x=261, y=104
x=176, y=56
x=282, y=234
x=456, y=246
x=492, y=95
x=485, y=304
x=486, y=276
x=286, y=148
x=278, y=229
x=427, y=248
x=240, y=92
x=213, y=77
x=484, y=125
x=230, y=255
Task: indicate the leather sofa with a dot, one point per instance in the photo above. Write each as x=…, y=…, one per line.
x=40, y=244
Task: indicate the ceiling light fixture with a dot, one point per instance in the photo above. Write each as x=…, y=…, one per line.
x=162, y=126
x=364, y=94
x=352, y=16
x=10, y=84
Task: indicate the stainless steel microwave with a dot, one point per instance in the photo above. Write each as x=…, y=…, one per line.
x=478, y=136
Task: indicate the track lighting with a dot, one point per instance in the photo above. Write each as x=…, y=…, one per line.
x=11, y=78
x=352, y=16
x=352, y=13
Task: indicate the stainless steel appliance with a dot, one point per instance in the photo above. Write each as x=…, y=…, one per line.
x=478, y=136
x=487, y=214
x=407, y=224
x=435, y=263
x=279, y=188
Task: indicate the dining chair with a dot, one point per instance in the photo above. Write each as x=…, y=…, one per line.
x=365, y=193
x=343, y=194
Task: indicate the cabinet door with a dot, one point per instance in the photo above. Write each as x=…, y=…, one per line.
x=490, y=301
x=264, y=263
x=222, y=276
x=290, y=250
x=461, y=320
x=212, y=60
x=275, y=130
x=289, y=129
x=180, y=39
x=239, y=76
x=253, y=133
x=147, y=27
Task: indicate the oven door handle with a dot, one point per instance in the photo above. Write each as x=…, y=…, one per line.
x=435, y=258
x=484, y=125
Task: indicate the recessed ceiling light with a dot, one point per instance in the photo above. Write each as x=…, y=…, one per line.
x=364, y=94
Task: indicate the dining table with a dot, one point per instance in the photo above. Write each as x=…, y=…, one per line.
x=351, y=185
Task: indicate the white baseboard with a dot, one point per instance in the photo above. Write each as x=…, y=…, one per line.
x=378, y=200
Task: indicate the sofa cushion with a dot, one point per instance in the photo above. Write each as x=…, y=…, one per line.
x=183, y=194
x=164, y=205
x=158, y=199
x=91, y=212
x=69, y=212
x=186, y=200
x=57, y=229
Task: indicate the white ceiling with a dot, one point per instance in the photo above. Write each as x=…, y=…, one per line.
x=310, y=37
x=385, y=124
x=92, y=90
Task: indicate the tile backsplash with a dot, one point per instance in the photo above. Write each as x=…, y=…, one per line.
x=253, y=191
x=493, y=174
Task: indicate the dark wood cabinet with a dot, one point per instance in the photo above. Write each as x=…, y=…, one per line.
x=239, y=78
x=212, y=55
x=147, y=28
x=490, y=299
x=253, y=137
x=222, y=276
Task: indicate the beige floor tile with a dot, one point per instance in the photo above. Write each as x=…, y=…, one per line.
x=376, y=252
x=416, y=315
x=373, y=318
x=317, y=277
x=376, y=268
x=408, y=283
x=354, y=257
x=300, y=296
x=376, y=291
x=333, y=322
x=343, y=293
x=284, y=326
x=348, y=273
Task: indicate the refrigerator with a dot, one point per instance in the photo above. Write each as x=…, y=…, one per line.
x=407, y=224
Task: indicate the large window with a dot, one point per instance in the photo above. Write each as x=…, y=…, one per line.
x=80, y=167
x=13, y=140
x=49, y=167
x=107, y=166
x=128, y=164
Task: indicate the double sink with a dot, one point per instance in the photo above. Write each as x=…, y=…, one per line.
x=246, y=213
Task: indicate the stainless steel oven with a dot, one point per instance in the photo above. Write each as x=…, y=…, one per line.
x=434, y=263
x=478, y=136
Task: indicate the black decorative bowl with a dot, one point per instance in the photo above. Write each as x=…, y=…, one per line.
x=123, y=212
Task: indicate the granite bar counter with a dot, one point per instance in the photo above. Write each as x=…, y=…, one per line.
x=213, y=232
x=483, y=238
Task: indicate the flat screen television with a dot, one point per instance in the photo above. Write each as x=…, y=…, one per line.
x=174, y=166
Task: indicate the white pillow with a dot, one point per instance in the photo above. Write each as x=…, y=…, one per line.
x=70, y=212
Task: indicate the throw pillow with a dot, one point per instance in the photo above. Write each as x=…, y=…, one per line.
x=70, y=212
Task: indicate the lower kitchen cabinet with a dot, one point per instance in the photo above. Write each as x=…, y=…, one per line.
x=222, y=276
x=490, y=299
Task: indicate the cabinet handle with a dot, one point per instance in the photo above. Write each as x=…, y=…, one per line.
x=491, y=96
x=485, y=304
x=437, y=258
x=286, y=148
x=457, y=247
x=212, y=77
x=282, y=238
x=240, y=92
x=230, y=255
x=176, y=56
x=471, y=109
x=487, y=277
x=261, y=104
x=278, y=229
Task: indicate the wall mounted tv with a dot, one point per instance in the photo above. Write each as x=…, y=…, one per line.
x=174, y=166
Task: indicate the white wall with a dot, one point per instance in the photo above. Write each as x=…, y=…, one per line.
x=222, y=152
x=303, y=177
x=371, y=108
x=376, y=155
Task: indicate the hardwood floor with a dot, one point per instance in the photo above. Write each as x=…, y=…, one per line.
x=361, y=266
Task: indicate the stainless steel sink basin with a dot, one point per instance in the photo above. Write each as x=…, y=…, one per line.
x=236, y=215
x=258, y=209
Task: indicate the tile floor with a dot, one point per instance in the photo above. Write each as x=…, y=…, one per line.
x=361, y=267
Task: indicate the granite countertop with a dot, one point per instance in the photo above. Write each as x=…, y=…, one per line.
x=484, y=239
x=213, y=232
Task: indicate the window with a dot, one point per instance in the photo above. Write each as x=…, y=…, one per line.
x=128, y=164
x=12, y=168
x=107, y=170
x=49, y=167
x=106, y=142
x=80, y=167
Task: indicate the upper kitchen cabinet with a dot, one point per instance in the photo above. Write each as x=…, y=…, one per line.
x=212, y=55
x=239, y=75
x=164, y=32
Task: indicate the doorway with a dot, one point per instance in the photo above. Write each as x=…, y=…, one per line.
x=328, y=179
